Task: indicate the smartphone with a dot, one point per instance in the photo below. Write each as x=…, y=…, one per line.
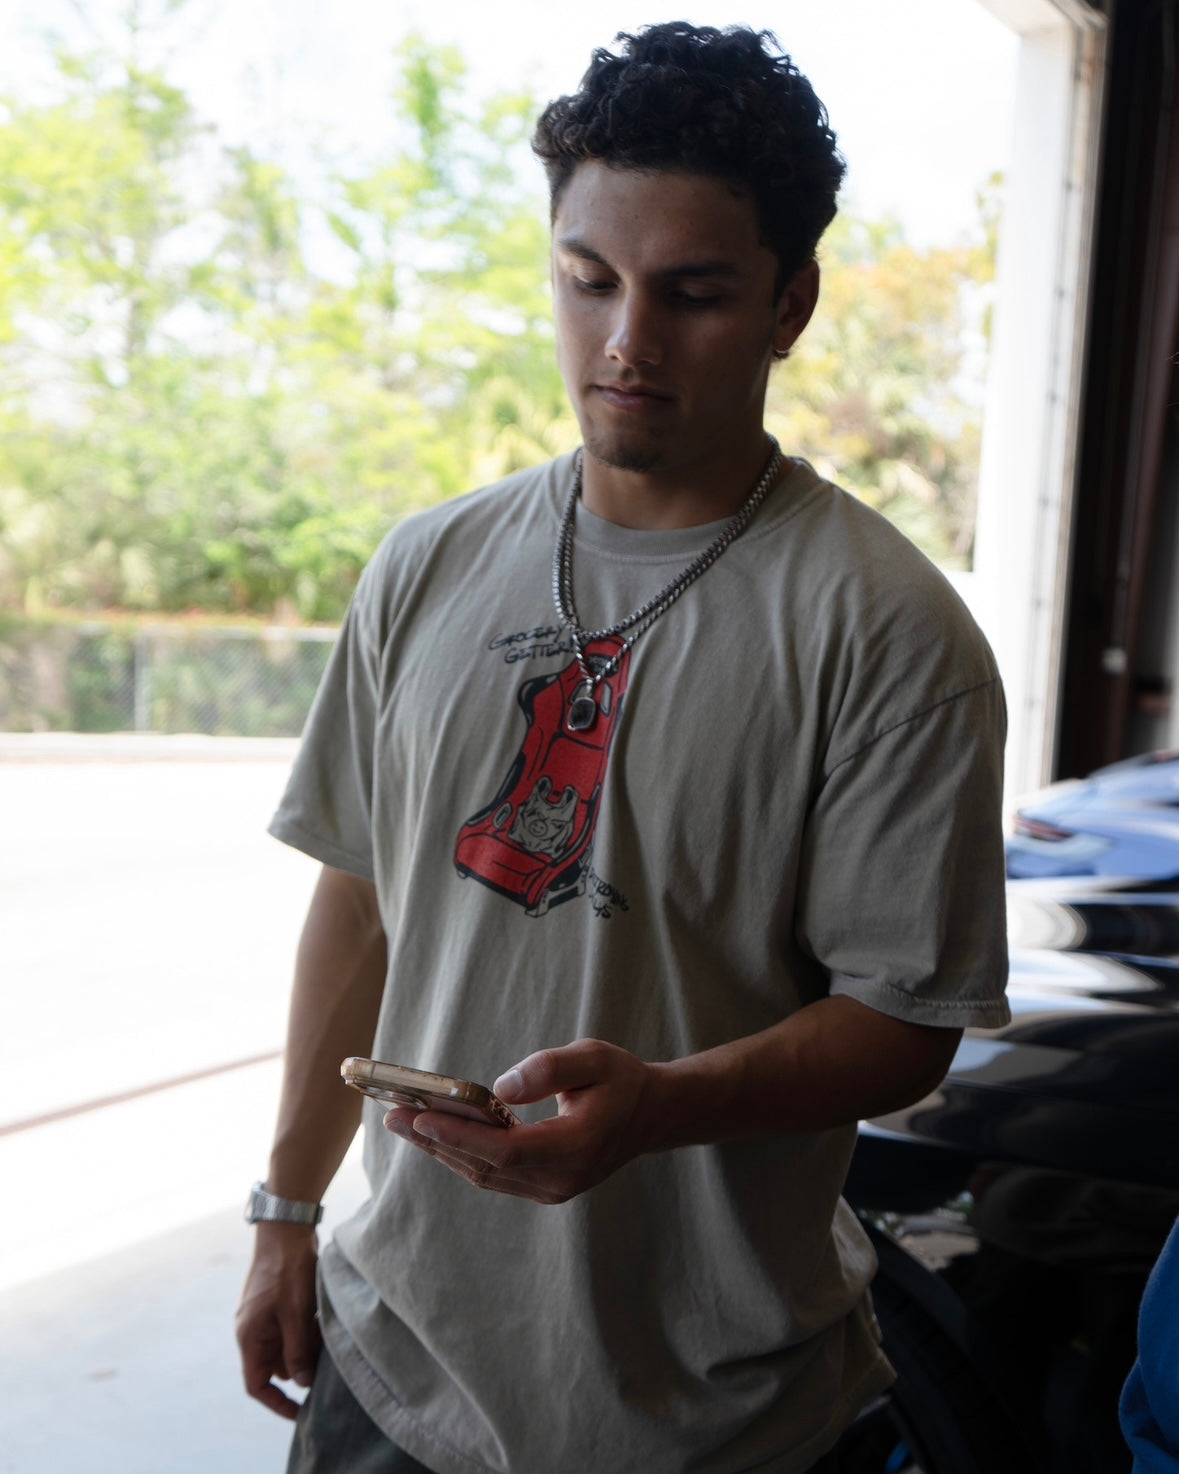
x=399, y=1085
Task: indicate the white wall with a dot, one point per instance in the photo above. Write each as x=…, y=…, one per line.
x=1030, y=429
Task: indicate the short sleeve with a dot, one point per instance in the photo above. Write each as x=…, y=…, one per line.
x=326, y=808
x=902, y=894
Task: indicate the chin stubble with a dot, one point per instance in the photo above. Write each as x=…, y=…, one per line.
x=623, y=457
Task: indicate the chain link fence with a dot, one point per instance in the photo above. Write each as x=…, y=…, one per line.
x=97, y=677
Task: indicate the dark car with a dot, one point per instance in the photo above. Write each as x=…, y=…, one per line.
x=1018, y=1209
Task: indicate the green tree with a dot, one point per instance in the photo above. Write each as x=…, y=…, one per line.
x=876, y=394
x=449, y=299
x=199, y=410
x=203, y=421
x=92, y=203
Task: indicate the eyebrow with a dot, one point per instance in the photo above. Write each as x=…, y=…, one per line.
x=574, y=246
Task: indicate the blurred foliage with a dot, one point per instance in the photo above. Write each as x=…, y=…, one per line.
x=878, y=394
x=196, y=413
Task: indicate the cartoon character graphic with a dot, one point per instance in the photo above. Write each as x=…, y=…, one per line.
x=545, y=828
x=532, y=842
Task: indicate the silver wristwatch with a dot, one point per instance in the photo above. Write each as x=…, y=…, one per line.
x=264, y=1207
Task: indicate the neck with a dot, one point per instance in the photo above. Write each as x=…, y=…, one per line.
x=665, y=498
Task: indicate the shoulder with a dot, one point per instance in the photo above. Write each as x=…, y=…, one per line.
x=890, y=635
x=459, y=535
x=866, y=583
x=531, y=494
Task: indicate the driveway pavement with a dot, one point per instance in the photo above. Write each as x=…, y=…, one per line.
x=147, y=932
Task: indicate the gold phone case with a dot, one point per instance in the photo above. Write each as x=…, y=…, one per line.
x=419, y=1089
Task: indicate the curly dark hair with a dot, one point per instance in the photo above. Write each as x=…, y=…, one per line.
x=722, y=103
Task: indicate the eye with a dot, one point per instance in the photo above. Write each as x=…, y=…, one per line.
x=592, y=285
x=695, y=299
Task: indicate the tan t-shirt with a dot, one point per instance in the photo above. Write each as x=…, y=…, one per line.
x=791, y=787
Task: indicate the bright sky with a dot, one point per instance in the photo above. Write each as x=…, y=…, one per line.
x=919, y=91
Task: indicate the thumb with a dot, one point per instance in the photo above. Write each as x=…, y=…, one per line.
x=548, y=1071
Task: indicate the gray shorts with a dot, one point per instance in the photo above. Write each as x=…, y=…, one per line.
x=334, y=1434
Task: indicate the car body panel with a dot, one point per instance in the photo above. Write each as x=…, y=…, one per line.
x=1032, y=1191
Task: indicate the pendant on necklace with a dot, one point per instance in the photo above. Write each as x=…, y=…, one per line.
x=583, y=709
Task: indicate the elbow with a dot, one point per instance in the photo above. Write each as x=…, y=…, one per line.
x=933, y=1055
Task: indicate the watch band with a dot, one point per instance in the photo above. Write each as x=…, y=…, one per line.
x=266, y=1207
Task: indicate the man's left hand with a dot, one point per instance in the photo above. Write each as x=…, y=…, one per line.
x=603, y=1104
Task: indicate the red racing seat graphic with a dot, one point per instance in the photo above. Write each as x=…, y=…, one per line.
x=532, y=842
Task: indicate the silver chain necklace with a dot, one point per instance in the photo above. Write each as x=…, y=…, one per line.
x=583, y=704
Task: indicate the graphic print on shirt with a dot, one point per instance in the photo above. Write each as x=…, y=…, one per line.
x=532, y=842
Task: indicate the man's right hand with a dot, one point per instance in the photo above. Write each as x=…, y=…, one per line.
x=339, y=981
x=277, y=1331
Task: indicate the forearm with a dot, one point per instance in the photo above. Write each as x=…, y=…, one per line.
x=833, y=1062
x=339, y=980
x=827, y=1065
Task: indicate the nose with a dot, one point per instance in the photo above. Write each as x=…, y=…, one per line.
x=635, y=337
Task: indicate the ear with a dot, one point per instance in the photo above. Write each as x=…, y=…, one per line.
x=795, y=307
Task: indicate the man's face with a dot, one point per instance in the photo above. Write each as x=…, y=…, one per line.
x=666, y=317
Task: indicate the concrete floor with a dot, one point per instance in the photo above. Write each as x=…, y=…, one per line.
x=126, y=1364
x=148, y=929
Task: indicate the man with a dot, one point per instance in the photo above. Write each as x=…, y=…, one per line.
x=1149, y=1406
x=659, y=784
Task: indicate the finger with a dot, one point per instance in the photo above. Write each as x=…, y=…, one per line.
x=479, y=1171
x=301, y=1343
x=471, y=1139
x=467, y=1134
x=535, y=1185
x=277, y=1401
x=548, y=1071
x=527, y=1181
x=261, y=1361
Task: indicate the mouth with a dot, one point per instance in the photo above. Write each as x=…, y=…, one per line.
x=631, y=396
